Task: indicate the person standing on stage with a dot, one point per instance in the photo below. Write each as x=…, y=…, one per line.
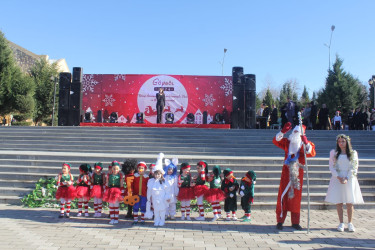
x=160, y=104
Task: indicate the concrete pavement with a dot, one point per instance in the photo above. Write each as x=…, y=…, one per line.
x=39, y=228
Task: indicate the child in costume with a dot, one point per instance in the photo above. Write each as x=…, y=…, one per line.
x=230, y=187
x=128, y=168
x=157, y=194
x=185, y=194
x=170, y=176
x=215, y=195
x=97, y=180
x=66, y=191
x=112, y=195
x=83, y=188
x=151, y=167
x=246, y=192
x=139, y=187
x=200, y=187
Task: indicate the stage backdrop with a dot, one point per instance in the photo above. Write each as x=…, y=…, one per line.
x=130, y=94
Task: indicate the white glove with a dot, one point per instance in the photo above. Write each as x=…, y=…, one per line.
x=242, y=193
x=243, y=187
x=231, y=195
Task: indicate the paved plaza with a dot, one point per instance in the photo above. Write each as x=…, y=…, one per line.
x=40, y=228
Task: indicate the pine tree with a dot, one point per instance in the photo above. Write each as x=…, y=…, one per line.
x=16, y=88
x=268, y=99
x=43, y=75
x=305, y=97
x=342, y=91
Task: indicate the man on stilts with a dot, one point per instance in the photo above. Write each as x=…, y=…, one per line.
x=290, y=189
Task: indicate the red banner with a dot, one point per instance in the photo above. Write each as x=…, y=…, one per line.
x=131, y=94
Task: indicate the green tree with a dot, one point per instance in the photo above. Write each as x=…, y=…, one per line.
x=268, y=99
x=43, y=74
x=288, y=90
x=342, y=91
x=305, y=96
x=16, y=88
x=313, y=97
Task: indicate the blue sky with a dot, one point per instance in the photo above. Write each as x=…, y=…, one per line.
x=276, y=40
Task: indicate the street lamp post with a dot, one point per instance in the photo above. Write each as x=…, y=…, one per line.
x=222, y=62
x=371, y=82
x=329, y=47
x=54, y=98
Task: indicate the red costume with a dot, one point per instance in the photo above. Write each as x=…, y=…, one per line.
x=139, y=185
x=290, y=189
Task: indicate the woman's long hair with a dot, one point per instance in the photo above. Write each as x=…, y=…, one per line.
x=349, y=149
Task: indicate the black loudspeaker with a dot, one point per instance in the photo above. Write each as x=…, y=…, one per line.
x=250, y=82
x=64, y=99
x=75, y=97
x=64, y=80
x=241, y=119
x=99, y=117
x=237, y=119
x=77, y=74
x=63, y=117
x=237, y=73
x=238, y=98
x=205, y=117
x=74, y=117
x=250, y=119
x=234, y=119
x=250, y=100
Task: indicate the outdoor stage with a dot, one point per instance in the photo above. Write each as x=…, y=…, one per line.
x=173, y=125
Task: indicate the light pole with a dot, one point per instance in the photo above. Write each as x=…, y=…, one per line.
x=55, y=79
x=329, y=47
x=222, y=62
x=371, y=82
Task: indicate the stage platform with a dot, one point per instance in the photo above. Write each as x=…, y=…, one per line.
x=150, y=125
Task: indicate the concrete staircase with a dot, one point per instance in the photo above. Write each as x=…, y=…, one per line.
x=28, y=153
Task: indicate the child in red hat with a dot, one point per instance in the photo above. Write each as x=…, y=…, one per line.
x=66, y=191
x=186, y=193
x=97, y=188
x=114, y=183
x=200, y=187
x=139, y=187
x=83, y=189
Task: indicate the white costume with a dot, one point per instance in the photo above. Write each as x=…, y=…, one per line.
x=173, y=191
x=342, y=167
x=157, y=193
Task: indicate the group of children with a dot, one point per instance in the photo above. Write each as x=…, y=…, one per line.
x=155, y=195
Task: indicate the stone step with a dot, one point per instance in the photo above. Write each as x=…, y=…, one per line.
x=17, y=183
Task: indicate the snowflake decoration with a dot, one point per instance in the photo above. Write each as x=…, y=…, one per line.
x=108, y=100
x=88, y=83
x=227, y=87
x=120, y=76
x=208, y=100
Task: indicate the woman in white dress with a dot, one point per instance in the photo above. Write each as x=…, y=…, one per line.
x=343, y=186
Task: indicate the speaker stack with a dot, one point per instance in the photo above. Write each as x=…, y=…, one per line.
x=250, y=101
x=75, y=100
x=70, y=98
x=244, y=87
